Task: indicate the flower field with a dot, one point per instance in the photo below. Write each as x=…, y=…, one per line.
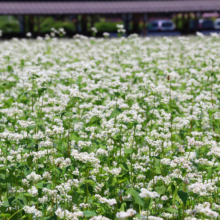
x=100, y=129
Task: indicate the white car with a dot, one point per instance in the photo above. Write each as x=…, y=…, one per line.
x=161, y=25
x=217, y=23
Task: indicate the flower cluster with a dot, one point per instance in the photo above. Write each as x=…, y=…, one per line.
x=92, y=129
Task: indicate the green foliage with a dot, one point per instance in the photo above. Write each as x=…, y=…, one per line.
x=183, y=196
x=9, y=24
x=49, y=23
x=104, y=26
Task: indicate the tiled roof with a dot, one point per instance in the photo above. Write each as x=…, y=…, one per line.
x=97, y=7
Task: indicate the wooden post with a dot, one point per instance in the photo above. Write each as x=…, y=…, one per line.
x=177, y=21
x=187, y=22
x=136, y=20
x=84, y=24
x=184, y=23
x=38, y=25
x=78, y=26
x=144, y=25
x=30, y=21
x=126, y=20
x=196, y=22
x=92, y=20
x=21, y=21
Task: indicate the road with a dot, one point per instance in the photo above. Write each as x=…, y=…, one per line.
x=171, y=33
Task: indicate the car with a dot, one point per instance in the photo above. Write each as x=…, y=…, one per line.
x=217, y=23
x=205, y=24
x=161, y=25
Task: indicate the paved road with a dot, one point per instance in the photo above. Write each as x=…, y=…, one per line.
x=177, y=33
x=171, y=33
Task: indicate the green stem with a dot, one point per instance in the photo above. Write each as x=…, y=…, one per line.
x=15, y=213
x=87, y=189
x=171, y=120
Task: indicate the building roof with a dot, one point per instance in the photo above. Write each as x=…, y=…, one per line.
x=108, y=7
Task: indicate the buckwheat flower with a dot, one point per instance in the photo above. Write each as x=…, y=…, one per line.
x=167, y=215
x=214, y=34
x=216, y=206
x=46, y=175
x=122, y=215
x=29, y=34
x=75, y=172
x=84, y=205
x=34, y=177
x=49, y=209
x=131, y=212
x=44, y=199
x=33, y=191
x=120, y=26
x=112, y=202
x=115, y=171
x=190, y=218
x=100, y=152
x=93, y=29
x=106, y=34
x=100, y=217
x=25, y=182
x=199, y=34
x=148, y=194
x=205, y=209
x=154, y=218
x=172, y=75
x=59, y=213
x=33, y=210
x=164, y=198
x=145, y=214
x=212, y=57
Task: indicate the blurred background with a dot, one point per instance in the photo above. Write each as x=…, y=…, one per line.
x=143, y=17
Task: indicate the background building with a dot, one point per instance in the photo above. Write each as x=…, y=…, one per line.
x=37, y=16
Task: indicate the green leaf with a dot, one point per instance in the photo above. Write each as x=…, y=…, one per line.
x=128, y=151
x=27, y=194
x=75, y=198
x=41, y=91
x=62, y=114
x=173, y=187
x=68, y=114
x=10, y=69
x=178, y=181
x=171, y=210
x=5, y=216
x=89, y=213
x=158, y=171
x=32, y=93
x=160, y=189
x=136, y=196
x=123, y=206
x=124, y=166
x=40, y=123
x=5, y=203
x=183, y=196
x=115, y=113
x=21, y=200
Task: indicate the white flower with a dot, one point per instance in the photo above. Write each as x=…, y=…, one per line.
x=122, y=215
x=106, y=34
x=172, y=75
x=29, y=34
x=148, y=194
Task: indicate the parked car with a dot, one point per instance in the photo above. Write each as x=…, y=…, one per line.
x=217, y=23
x=161, y=25
x=205, y=24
